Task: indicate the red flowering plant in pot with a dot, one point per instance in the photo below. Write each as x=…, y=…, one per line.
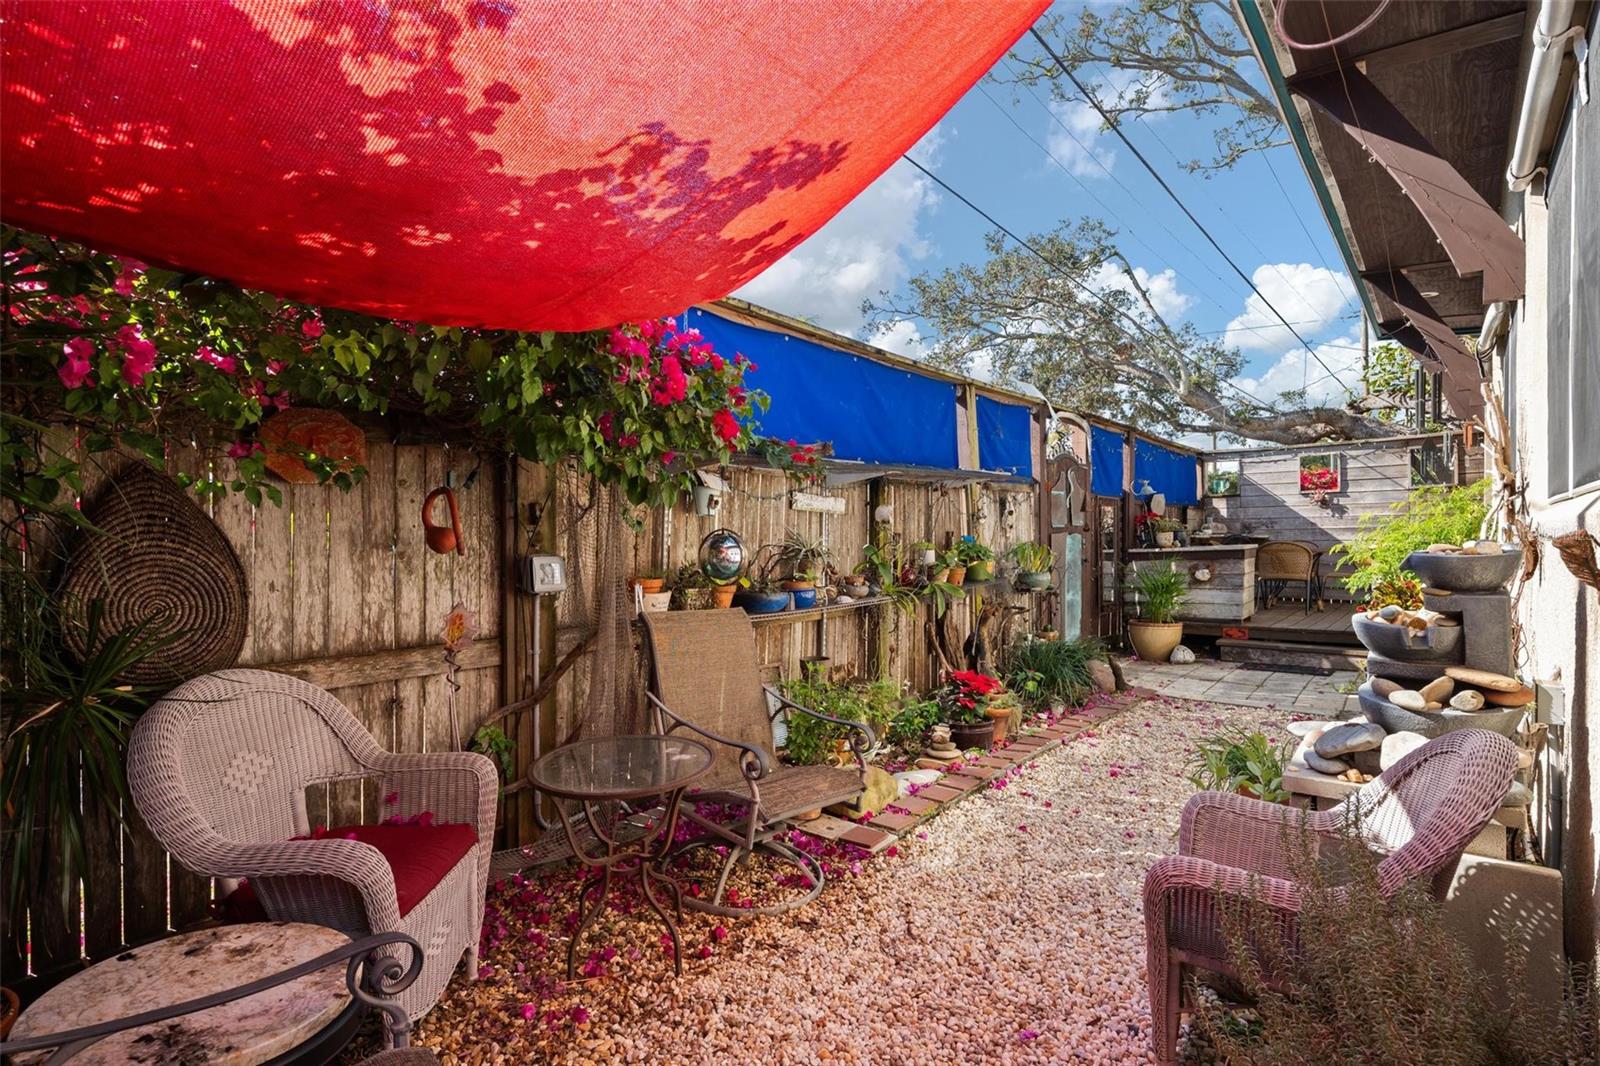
x=965, y=699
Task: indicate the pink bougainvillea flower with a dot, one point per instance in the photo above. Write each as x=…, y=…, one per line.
x=391, y=799
x=311, y=327
x=580, y=1016
x=529, y=1012
x=211, y=357
x=76, y=369
x=719, y=933
x=1027, y=1034
x=668, y=456
x=725, y=425
x=705, y=951
x=240, y=449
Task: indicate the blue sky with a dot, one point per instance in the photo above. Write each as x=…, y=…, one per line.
x=903, y=225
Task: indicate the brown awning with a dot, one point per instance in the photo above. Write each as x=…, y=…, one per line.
x=1473, y=234
x=1436, y=344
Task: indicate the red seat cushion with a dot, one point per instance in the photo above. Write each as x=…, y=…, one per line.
x=419, y=855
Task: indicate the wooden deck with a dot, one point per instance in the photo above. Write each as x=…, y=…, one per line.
x=1290, y=623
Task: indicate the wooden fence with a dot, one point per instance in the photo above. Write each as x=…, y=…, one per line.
x=343, y=593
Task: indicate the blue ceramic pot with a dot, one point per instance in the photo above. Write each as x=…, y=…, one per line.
x=804, y=598
x=761, y=602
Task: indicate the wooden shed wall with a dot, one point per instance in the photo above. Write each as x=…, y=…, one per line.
x=1376, y=476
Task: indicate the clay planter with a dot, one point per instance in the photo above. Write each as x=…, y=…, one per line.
x=796, y=584
x=649, y=585
x=973, y=735
x=1001, y=717
x=958, y=575
x=1437, y=644
x=1394, y=719
x=1464, y=572
x=1154, y=641
x=940, y=575
x=722, y=595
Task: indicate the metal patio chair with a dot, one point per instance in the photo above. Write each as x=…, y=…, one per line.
x=219, y=766
x=1420, y=815
x=707, y=679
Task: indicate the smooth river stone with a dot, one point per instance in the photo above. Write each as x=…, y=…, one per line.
x=1324, y=766
x=1438, y=689
x=1517, y=698
x=1411, y=701
x=1397, y=746
x=1383, y=688
x=1483, y=678
x=1468, y=699
x=188, y=966
x=1347, y=737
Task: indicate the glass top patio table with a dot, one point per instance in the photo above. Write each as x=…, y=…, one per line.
x=621, y=768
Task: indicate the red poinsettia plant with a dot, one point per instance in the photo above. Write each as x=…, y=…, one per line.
x=966, y=695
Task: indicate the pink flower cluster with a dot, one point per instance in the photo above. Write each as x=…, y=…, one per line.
x=138, y=354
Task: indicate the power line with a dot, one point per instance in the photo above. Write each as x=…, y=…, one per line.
x=1069, y=276
x=1112, y=125
x=1090, y=192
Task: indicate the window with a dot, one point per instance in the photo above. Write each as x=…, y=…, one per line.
x=1573, y=380
x=1430, y=466
x=1319, y=474
x=1222, y=477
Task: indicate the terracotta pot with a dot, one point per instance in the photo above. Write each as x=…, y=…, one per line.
x=806, y=816
x=1154, y=641
x=1001, y=716
x=958, y=575
x=722, y=595
x=647, y=585
x=973, y=735
x=940, y=575
x=798, y=584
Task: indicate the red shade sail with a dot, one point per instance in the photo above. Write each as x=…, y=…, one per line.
x=509, y=163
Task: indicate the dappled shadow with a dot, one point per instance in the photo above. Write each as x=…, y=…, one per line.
x=402, y=171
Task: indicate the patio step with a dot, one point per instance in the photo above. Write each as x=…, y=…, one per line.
x=1283, y=653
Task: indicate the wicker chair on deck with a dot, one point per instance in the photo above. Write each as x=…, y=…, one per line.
x=707, y=680
x=218, y=769
x=1420, y=814
x=1279, y=562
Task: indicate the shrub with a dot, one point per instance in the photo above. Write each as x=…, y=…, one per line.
x=1431, y=515
x=1044, y=672
x=910, y=725
x=1235, y=759
x=810, y=740
x=1377, y=980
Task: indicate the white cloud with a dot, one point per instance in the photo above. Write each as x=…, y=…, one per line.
x=1170, y=303
x=1076, y=139
x=1311, y=298
x=1298, y=369
x=1078, y=145
x=867, y=248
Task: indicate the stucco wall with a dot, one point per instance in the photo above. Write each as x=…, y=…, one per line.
x=1560, y=617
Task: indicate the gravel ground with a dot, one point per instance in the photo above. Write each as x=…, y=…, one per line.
x=1009, y=930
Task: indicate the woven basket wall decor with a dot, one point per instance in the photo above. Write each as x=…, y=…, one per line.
x=158, y=555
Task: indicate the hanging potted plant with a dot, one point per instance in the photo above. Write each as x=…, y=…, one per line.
x=965, y=701
x=977, y=558
x=1159, y=591
x=1034, y=562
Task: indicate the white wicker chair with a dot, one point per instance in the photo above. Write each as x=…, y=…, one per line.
x=218, y=769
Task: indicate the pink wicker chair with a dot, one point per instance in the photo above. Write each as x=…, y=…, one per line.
x=1420, y=814
x=218, y=769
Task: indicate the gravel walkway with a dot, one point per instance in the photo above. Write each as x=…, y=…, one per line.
x=1010, y=932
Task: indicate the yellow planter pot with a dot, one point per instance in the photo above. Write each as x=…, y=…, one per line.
x=1153, y=641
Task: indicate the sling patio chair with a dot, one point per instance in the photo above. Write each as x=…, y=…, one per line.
x=707, y=680
x=219, y=767
x=1420, y=815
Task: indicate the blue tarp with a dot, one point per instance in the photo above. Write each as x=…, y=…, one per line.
x=1105, y=461
x=1005, y=437
x=871, y=412
x=1170, y=473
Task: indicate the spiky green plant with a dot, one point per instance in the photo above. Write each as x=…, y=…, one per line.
x=1046, y=672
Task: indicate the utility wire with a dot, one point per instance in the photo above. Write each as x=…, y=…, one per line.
x=1112, y=125
x=1183, y=357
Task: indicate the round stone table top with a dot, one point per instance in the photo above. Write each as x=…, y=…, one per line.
x=188, y=966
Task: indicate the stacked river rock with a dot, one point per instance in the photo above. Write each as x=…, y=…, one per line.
x=1430, y=671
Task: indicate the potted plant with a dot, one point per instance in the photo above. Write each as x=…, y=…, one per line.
x=923, y=552
x=722, y=594
x=1238, y=760
x=802, y=559
x=955, y=570
x=965, y=702
x=650, y=581
x=1002, y=709
x=761, y=594
x=692, y=590
x=1163, y=529
x=1159, y=591
x=1035, y=562
x=977, y=558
